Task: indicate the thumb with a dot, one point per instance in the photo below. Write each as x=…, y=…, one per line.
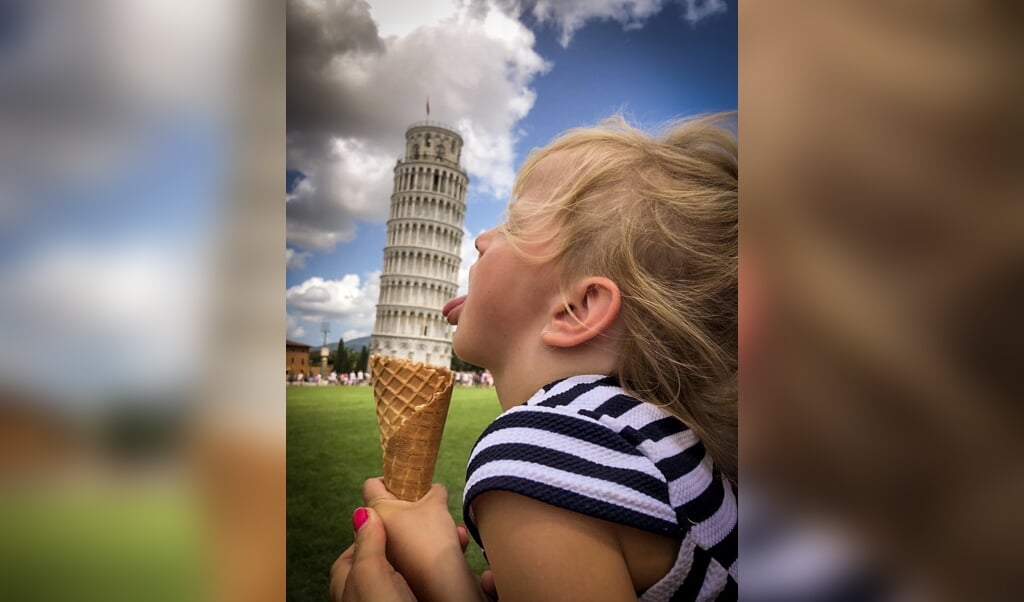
x=370, y=538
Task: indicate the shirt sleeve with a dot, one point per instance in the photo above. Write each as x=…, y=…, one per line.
x=570, y=461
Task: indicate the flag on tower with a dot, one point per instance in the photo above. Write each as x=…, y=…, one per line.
x=428, y=106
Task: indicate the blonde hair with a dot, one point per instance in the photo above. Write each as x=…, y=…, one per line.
x=659, y=217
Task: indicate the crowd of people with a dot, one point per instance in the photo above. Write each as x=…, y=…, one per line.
x=466, y=379
x=474, y=379
x=349, y=378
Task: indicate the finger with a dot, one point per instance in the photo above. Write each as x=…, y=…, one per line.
x=374, y=491
x=460, y=530
x=340, y=571
x=487, y=584
x=371, y=541
x=402, y=591
x=344, y=561
x=336, y=588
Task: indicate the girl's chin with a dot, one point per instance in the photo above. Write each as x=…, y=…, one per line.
x=464, y=354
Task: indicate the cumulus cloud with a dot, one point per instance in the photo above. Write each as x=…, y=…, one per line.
x=293, y=330
x=348, y=335
x=570, y=15
x=699, y=9
x=400, y=17
x=295, y=260
x=352, y=93
x=347, y=182
x=349, y=304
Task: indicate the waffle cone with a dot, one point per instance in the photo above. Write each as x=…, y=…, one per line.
x=412, y=404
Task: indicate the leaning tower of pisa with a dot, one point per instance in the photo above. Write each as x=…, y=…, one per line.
x=421, y=256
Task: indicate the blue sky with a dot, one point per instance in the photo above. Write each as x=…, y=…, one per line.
x=652, y=67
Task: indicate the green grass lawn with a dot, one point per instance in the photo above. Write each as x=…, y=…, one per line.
x=333, y=447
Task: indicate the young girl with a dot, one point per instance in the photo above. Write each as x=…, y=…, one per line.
x=605, y=308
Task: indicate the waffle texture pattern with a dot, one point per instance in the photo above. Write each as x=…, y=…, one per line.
x=412, y=405
x=584, y=445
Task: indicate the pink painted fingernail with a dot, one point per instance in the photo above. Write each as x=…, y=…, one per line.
x=359, y=518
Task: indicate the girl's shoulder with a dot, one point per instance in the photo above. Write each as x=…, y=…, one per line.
x=583, y=444
x=644, y=426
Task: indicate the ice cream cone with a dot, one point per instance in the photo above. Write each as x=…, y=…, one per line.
x=412, y=404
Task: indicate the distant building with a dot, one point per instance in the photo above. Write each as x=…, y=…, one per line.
x=296, y=359
x=421, y=256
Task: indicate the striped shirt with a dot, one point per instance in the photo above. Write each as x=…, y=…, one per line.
x=584, y=445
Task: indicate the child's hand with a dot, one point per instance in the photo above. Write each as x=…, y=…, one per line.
x=424, y=544
x=418, y=532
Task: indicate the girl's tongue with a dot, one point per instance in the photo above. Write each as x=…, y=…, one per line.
x=449, y=309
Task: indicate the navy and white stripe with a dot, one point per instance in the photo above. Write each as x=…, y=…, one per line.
x=585, y=445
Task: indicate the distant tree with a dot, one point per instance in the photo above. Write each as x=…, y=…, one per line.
x=460, y=365
x=342, y=359
x=364, y=359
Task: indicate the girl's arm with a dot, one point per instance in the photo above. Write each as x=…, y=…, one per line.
x=542, y=552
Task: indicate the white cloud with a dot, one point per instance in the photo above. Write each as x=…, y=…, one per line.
x=295, y=260
x=571, y=15
x=489, y=155
x=352, y=94
x=349, y=182
x=334, y=298
x=698, y=9
x=348, y=335
x=292, y=329
x=348, y=304
x=400, y=17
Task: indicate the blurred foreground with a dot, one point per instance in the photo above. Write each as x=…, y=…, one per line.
x=142, y=312
x=881, y=281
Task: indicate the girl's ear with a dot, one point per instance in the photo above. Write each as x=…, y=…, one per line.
x=588, y=309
